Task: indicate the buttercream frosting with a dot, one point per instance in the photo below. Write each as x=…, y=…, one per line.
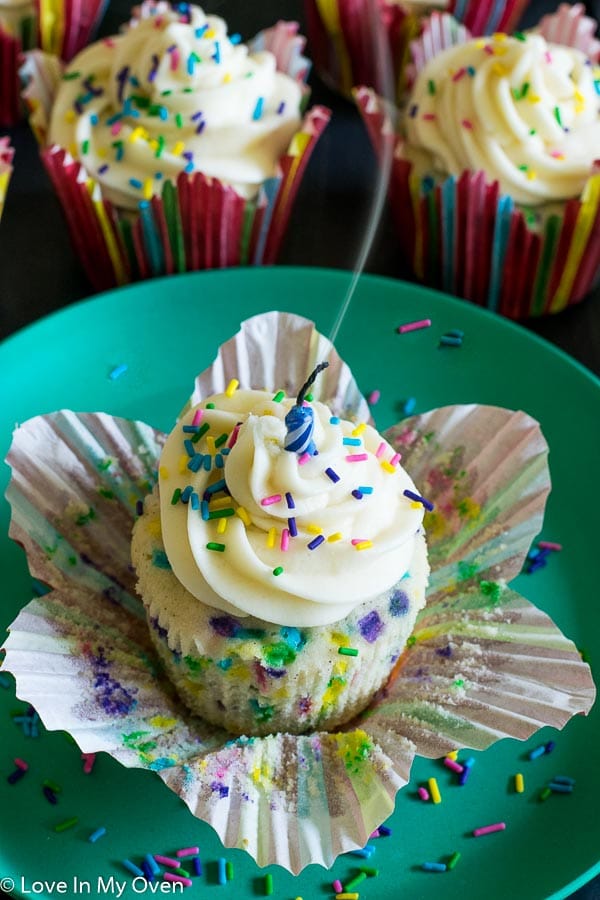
x=356, y=528
x=524, y=111
x=174, y=93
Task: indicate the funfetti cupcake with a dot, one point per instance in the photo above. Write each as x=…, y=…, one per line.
x=293, y=562
x=344, y=44
x=495, y=184
x=174, y=146
x=62, y=28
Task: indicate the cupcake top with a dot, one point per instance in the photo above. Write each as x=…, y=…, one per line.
x=174, y=93
x=522, y=110
x=261, y=518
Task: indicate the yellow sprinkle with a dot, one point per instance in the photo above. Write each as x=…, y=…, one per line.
x=336, y=536
x=500, y=51
x=221, y=503
x=148, y=189
x=519, y=783
x=499, y=69
x=364, y=545
x=178, y=148
x=102, y=152
x=271, y=537
x=434, y=790
x=210, y=444
x=533, y=98
x=387, y=466
x=153, y=144
x=356, y=432
x=154, y=528
x=232, y=387
x=314, y=529
x=222, y=526
x=452, y=755
x=182, y=465
x=209, y=33
x=267, y=412
x=415, y=505
x=531, y=174
x=480, y=44
x=136, y=134
x=162, y=722
x=70, y=115
x=243, y=514
x=499, y=36
x=226, y=77
x=163, y=472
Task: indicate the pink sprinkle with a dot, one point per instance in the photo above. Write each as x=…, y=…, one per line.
x=269, y=501
x=489, y=829
x=373, y=398
x=158, y=22
x=423, y=793
x=21, y=764
x=108, y=42
x=414, y=326
x=174, y=60
x=452, y=764
x=429, y=117
x=198, y=417
x=167, y=861
x=115, y=128
x=556, y=154
x=458, y=75
x=285, y=539
x=303, y=459
x=89, y=760
x=489, y=50
x=549, y=545
x=467, y=124
x=357, y=457
x=305, y=403
x=234, y=437
x=355, y=541
x=188, y=851
x=395, y=459
x=548, y=57
x=375, y=834
x=337, y=886
x=169, y=876
x=380, y=450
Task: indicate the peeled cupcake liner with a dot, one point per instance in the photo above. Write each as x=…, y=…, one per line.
x=342, y=42
x=482, y=663
x=6, y=158
x=462, y=236
x=60, y=27
x=196, y=223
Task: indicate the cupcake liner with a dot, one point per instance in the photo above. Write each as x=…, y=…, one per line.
x=464, y=237
x=483, y=662
x=6, y=158
x=343, y=46
x=196, y=222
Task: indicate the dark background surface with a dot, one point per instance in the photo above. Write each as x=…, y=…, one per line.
x=39, y=272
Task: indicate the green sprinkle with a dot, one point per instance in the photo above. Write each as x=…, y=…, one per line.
x=519, y=36
x=431, y=87
x=104, y=492
x=453, y=860
x=53, y=786
x=557, y=115
x=278, y=396
x=411, y=641
x=166, y=93
x=182, y=872
x=176, y=496
x=179, y=120
x=309, y=397
x=278, y=570
x=189, y=90
x=210, y=405
x=545, y=793
x=221, y=440
x=459, y=683
x=68, y=823
x=354, y=882
x=105, y=464
x=368, y=870
x=523, y=168
x=161, y=146
x=491, y=589
x=212, y=545
x=532, y=131
x=268, y=884
x=70, y=76
x=229, y=870
x=85, y=146
x=222, y=513
x=200, y=433
x=348, y=651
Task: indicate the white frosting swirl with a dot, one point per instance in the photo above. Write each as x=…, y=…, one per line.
x=171, y=95
x=523, y=111
x=315, y=587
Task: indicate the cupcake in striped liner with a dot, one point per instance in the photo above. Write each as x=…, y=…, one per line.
x=173, y=146
x=62, y=28
x=6, y=158
x=342, y=34
x=495, y=186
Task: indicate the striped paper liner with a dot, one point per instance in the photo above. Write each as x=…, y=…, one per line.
x=343, y=46
x=6, y=158
x=482, y=664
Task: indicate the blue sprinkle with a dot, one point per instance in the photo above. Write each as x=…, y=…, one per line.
x=217, y=486
x=221, y=871
x=195, y=462
x=235, y=39
x=334, y=420
x=194, y=500
x=225, y=451
x=333, y=476
x=413, y=110
x=217, y=54
x=258, y=109
x=293, y=528
x=563, y=779
x=131, y=867
x=418, y=499
x=409, y=406
x=207, y=462
x=189, y=447
x=316, y=542
x=199, y=32
x=189, y=168
x=219, y=461
x=191, y=429
x=114, y=119
x=384, y=830
x=117, y=371
x=539, y=751
x=94, y=119
x=197, y=865
x=352, y=442
x=160, y=560
x=433, y=867
x=364, y=489
x=201, y=127
x=96, y=835
x=549, y=747
x=135, y=183
x=186, y=494
x=204, y=510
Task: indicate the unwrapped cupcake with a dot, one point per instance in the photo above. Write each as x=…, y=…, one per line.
x=174, y=146
x=62, y=28
x=495, y=184
x=281, y=561
x=346, y=50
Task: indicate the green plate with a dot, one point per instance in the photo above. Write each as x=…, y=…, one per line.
x=166, y=331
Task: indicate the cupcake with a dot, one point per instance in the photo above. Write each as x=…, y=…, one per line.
x=62, y=28
x=281, y=563
x=494, y=182
x=174, y=146
x=344, y=44
x=6, y=157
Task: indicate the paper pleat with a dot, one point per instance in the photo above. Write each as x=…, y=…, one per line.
x=482, y=663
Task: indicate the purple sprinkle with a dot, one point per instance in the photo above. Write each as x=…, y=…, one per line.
x=201, y=127
x=444, y=651
x=16, y=776
x=154, y=68
x=188, y=154
x=399, y=603
x=197, y=115
x=281, y=108
x=225, y=626
x=290, y=501
x=413, y=110
x=332, y=475
x=316, y=542
x=139, y=507
x=549, y=746
x=371, y=626
x=221, y=789
x=293, y=528
x=172, y=48
x=418, y=499
x=50, y=795
x=358, y=494
x=384, y=830
x=103, y=169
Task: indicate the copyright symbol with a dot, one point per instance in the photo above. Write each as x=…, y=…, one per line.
x=7, y=885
